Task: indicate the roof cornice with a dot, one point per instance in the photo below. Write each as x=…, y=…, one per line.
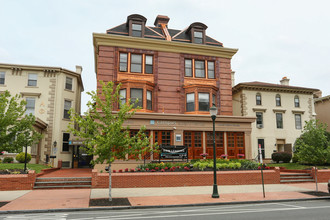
x=301, y=90
x=159, y=45
x=43, y=69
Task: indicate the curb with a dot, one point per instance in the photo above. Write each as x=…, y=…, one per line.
x=157, y=206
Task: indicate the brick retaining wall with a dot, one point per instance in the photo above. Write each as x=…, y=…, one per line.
x=17, y=181
x=177, y=179
x=323, y=176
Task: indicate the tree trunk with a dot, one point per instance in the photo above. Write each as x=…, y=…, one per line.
x=110, y=197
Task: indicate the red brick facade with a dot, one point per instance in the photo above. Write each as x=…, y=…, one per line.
x=17, y=181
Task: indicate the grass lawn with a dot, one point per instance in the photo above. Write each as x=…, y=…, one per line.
x=294, y=166
x=36, y=167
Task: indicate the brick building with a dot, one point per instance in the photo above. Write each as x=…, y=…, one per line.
x=176, y=75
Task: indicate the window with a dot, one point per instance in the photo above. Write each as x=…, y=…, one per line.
x=65, y=142
x=296, y=101
x=198, y=37
x=188, y=68
x=213, y=100
x=137, y=94
x=68, y=83
x=122, y=94
x=148, y=64
x=32, y=79
x=258, y=99
x=30, y=105
x=210, y=70
x=279, y=120
x=203, y=101
x=199, y=69
x=2, y=78
x=67, y=106
x=136, y=63
x=123, y=62
x=149, y=100
x=190, y=103
x=278, y=100
x=136, y=30
x=297, y=118
x=260, y=123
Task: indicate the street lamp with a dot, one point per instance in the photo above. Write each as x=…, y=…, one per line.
x=213, y=113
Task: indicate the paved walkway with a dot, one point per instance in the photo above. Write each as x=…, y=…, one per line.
x=81, y=172
x=79, y=198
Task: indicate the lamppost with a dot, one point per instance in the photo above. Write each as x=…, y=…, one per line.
x=213, y=113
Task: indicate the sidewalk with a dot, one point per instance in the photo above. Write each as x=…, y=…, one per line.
x=79, y=198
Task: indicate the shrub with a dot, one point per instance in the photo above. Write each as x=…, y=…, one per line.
x=281, y=156
x=295, y=158
x=21, y=157
x=8, y=160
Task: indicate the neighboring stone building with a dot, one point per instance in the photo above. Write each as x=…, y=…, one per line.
x=177, y=75
x=281, y=111
x=322, y=109
x=49, y=92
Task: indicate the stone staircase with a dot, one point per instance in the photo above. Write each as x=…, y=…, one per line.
x=62, y=182
x=296, y=178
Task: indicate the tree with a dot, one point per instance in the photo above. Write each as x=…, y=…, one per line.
x=16, y=128
x=313, y=146
x=102, y=130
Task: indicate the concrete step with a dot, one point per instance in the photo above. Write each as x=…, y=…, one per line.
x=62, y=182
x=296, y=177
x=297, y=181
x=60, y=187
x=295, y=174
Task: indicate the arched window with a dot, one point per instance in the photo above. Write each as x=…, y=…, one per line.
x=296, y=101
x=278, y=100
x=258, y=99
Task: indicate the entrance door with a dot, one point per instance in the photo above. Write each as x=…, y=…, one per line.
x=219, y=144
x=163, y=138
x=261, y=142
x=235, y=145
x=83, y=158
x=194, y=141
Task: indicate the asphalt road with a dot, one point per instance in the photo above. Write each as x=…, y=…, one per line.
x=301, y=210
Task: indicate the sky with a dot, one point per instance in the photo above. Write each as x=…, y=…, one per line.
x=274, y=38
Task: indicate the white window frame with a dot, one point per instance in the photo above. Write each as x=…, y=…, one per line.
x=33, y=77
x=66, y=83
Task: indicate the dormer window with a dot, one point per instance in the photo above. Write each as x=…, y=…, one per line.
x=198, y=37
x=136, y=30
x=135, y=24
x=197, y=32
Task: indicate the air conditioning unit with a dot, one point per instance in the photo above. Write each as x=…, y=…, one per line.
x=260, y=126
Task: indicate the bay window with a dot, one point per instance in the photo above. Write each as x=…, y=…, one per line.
x=203, y=101
x=123, y=62
x=136, y=63
x=137, y=94
x=149, y=100
x=190, y=102
x=199, y=69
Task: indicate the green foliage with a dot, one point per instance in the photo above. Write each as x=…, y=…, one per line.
x=36, y=167
x=295, y=158
x=8, y=160
x=21, y=157
x=16, y=128
x=102, y=129
x=248, y=165
x=313, y=146
x=281, y=156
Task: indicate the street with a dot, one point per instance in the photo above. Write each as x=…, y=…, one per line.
x=319, y=209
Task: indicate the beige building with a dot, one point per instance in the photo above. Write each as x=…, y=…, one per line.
x=322, y=109
x=281, y=111
x=49, y=92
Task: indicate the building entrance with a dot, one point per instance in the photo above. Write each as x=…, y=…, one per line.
x=80, y=157
x=194, y=141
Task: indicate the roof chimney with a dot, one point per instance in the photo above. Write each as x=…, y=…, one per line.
x=79, y=69
x=284, y=81
x=161, y=19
